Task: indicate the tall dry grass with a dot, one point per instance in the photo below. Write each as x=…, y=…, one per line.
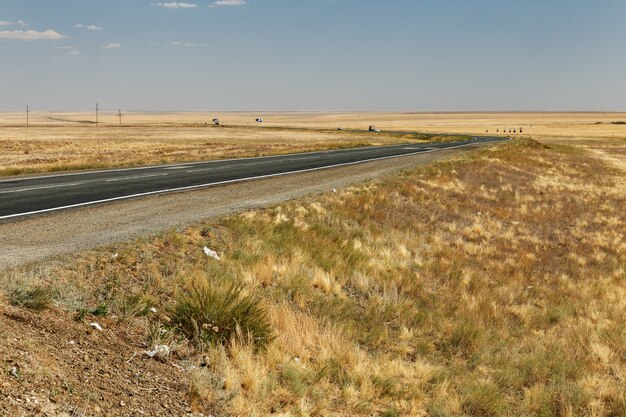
x=489, y=285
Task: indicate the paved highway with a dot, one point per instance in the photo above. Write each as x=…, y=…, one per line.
x=21, y=197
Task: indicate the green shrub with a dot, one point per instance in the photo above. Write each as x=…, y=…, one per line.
x=213, y=314
x=484, y=399
x=37, y=298
x=392, y=412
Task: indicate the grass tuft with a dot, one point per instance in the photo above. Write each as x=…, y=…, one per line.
x=211, y=314
x=484, y=399
x=37, y=299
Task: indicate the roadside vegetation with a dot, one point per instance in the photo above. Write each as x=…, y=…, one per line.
x=491, y=284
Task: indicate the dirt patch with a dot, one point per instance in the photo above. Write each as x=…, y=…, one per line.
x=55, y=366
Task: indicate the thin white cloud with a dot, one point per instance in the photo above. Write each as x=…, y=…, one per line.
x=188, y=44
x=18, y=23
x=29, y=35
x=75, y=53
x=230, y=3
x=90, y=27
x=63, y=47
x=112, y=45
x=176, y=5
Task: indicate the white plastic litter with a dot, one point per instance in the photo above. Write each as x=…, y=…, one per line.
x=211, y=253
x=96, y=326
x=152, y=310
x=159, y=351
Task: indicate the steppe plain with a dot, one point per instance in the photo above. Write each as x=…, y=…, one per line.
x=491, y=283
x=69, y=141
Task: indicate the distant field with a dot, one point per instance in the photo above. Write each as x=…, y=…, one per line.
x=70, y=141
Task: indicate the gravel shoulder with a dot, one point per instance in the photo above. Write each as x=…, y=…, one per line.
x=40, y=238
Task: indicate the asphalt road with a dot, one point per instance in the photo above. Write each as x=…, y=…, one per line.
x=21, y=197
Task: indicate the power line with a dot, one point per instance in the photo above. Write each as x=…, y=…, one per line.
x=27, y=116
x=97, y=110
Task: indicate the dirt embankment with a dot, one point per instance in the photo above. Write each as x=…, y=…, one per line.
x=53, y=366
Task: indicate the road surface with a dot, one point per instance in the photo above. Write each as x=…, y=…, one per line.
x=27, y=196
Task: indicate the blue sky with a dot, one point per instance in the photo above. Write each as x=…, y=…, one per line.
x=419, y=55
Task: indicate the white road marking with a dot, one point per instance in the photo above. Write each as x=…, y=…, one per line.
x=195, y=187
x=20, y=190
x=135, y=177
x=191, y=171
x=221, y=167
x=178, y=167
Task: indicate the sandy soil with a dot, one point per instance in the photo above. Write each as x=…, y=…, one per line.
x=75, y=378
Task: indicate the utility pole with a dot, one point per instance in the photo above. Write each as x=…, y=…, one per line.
x=27, y=116
x=97, y=109
x=119, y=114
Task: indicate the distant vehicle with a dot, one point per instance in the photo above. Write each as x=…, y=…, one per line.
x=216, y=122
x=259, y=120
x=339, y=128
x=373, y=129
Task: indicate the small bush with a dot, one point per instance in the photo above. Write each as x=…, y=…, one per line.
x=392, y=412
x=37, y=299
x=213, y=314
x=101, y=311
x=484, y=399
x=462, y=341
x=296, y=379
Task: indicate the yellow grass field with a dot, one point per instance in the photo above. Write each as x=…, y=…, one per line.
x=492, y=284
x=70, y=141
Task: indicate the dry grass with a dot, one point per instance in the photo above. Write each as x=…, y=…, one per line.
x=70, y=141
x=484, y=286
x=54, y=143
x=49, y=149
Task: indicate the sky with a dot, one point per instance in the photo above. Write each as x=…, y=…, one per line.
x=288, y=55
